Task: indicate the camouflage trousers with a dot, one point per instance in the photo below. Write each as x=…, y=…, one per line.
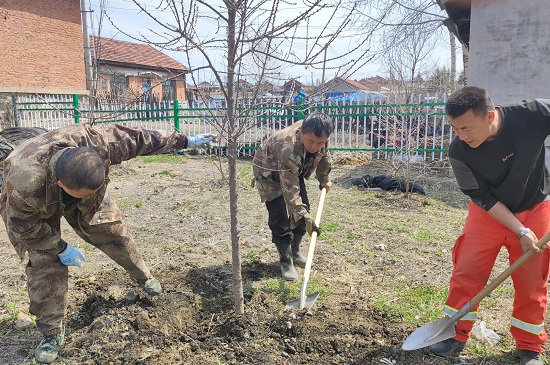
x=283, y=229
x=48, y=278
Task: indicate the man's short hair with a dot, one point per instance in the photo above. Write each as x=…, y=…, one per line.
x=80, y=168
x=469, y=98
x=318, y=123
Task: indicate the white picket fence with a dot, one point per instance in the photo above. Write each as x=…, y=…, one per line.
x=395, y=126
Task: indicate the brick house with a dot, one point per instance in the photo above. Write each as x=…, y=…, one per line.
x=292, y=86
x=42, y=47
x=340, y=85
x=128, y=70
x=343, y=89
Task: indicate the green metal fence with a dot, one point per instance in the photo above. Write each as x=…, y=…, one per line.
x=395, y=126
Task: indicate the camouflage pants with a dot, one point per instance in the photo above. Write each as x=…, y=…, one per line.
x=48, y=278
x=280, y=222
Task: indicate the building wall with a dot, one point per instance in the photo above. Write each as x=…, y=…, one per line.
x=42, y=47
x=135, y=81
x=510, y=48
x=180, y=90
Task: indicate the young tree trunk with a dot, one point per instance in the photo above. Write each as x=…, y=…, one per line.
x=235, y=232
x=232, y=162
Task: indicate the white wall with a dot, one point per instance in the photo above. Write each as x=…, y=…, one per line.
x=510, y=50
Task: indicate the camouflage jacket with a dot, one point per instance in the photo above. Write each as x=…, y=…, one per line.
x=31, y=201
x=278, y=164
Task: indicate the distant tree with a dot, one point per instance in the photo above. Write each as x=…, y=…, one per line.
x=399, y=19
x=439, y=80
x=462, y=79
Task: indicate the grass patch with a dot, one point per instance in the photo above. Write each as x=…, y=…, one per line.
x=164, y=158
x=394, y=228
x=330, y=227
x=245, y=175
x=290, y=290
x=251, y=257
x=419, y=304
x=12, y=310
x=130, y=203
x=426, y=236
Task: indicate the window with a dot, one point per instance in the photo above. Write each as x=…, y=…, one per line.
x=118, y=85
x=168, y=90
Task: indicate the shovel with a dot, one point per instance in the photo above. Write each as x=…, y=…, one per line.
x=444, y=328
x=309, y=300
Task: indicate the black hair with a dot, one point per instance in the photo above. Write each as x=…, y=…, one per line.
x=318, y=123
x=469, y=98
x=80, y=168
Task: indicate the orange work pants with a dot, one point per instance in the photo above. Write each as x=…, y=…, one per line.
x=474, y=255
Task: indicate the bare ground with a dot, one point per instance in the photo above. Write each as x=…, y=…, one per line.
x=375, y=248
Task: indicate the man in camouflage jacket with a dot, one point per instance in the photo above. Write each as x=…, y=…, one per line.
x=34, y=198
x=281, y=164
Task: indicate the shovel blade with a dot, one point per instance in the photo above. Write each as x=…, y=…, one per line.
x=308, y=303
x=430, y=334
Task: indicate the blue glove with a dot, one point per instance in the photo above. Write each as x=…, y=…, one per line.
x=201, y=140
x=70, y=256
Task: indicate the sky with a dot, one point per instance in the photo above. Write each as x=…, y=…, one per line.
x=128, y=19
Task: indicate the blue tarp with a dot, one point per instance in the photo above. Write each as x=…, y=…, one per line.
x=359, y=96
x=300, y=97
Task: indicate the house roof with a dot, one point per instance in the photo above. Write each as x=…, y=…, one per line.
x=353, y=84
x=459, y=18
x=122, y=53
x=292, y=83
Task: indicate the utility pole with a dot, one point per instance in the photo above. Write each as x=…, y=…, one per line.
x=87, y=54
x=324, y=66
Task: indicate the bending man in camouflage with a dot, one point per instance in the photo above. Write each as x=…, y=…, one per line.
x=281, y=165
x=64, y=173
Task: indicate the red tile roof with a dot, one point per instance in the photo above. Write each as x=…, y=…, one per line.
x=354, y=84
x=134, y=54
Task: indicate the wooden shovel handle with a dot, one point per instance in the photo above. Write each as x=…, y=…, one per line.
x=311, y=250
x=509, y=271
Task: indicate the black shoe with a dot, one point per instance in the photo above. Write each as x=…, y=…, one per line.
x=527, y=357
x=47, y=350
x=288, y=272
x=150, y=286
x=297, y=257
x=447, y=348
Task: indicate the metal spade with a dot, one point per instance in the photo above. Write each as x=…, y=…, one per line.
x=444, y=328
x=307, y=301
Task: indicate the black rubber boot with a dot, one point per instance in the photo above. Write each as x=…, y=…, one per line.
x=447, y=348
x=298, y=258
x=288, y=272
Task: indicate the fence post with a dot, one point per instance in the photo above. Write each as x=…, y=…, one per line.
x=14, y=103
x=177, y=115
x=75, y=107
